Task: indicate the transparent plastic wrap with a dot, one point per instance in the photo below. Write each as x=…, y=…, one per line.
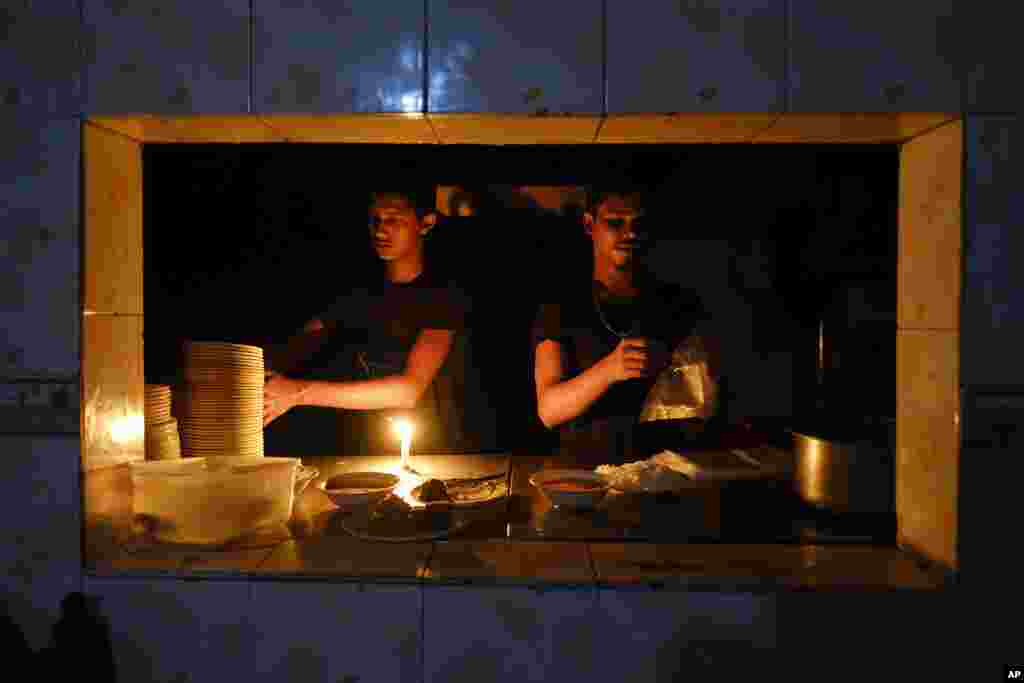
x=686, y=389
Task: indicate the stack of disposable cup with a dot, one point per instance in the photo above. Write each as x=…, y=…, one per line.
x=162, y=439
x=220, y=404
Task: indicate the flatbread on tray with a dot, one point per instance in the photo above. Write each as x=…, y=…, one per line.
x=470, y=492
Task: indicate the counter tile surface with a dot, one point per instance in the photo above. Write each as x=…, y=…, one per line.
x=509, y=562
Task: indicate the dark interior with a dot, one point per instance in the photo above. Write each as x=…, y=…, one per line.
x=245, y=243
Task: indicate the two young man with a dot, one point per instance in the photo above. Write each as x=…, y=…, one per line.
x=598, y=347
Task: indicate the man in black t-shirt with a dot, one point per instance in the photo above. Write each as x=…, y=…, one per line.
x=380, y=347
x=599, y=347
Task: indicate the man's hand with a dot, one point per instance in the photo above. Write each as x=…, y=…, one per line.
x=637, y=357
x=280, y=394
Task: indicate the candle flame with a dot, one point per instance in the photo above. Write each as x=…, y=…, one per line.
x=404, y=429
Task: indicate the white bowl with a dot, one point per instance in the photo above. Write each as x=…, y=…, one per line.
x=573, y=499
x=358, y=488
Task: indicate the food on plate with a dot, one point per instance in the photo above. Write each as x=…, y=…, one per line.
x=400, y=518
x=433, y=491
x=573, y=485
x=391, y=508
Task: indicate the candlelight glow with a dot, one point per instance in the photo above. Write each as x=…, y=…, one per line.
x=407, y=481
x=126, y=429
x=404, y=430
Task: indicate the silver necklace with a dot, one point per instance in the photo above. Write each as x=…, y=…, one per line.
x=604, y=321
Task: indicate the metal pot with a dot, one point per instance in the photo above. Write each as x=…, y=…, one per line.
x=846, y=467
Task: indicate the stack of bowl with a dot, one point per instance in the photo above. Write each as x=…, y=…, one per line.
x=162, y=439
x=220, y=405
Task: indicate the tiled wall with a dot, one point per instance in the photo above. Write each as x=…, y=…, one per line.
x=66, y=59
x=292, y=630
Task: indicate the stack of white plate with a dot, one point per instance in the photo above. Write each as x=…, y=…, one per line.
x=162, y=438
x=220, y=406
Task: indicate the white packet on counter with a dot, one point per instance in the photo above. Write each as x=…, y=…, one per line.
x=645, y=476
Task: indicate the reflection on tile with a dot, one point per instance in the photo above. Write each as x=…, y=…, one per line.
x=112, y=391
x=509, y=562
x=336, y=632
x=874, y=57
x=39, y=279
x=515, y=57
x=667, y=56
x=321, y=57
x=693, y=565
x=121, y=559
x=497, y=129
x=683, y=128
x=190, y=129
x=344, y=556
x=929, y=262
x=168, y=58
x=928, y=441
x=927, y=485
x=359, y=128
x=850, y=127
x=107, y=505
x=225, y=562
x=42, y=76
x=113, y=223
x=927, y=373
x=757, y=568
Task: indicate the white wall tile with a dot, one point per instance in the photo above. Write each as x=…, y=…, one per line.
x=39, y=252
x=182, y=57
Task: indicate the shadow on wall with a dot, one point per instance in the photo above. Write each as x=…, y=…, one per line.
x=18, y=655
x=80, y=643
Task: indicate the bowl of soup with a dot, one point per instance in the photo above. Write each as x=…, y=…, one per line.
x=571, y=488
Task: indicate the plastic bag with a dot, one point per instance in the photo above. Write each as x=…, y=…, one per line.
x=686, y=388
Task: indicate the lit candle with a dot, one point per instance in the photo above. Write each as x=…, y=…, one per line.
x=404, y=430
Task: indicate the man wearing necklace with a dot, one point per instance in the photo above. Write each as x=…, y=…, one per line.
x=599, y=348
x=379, y=347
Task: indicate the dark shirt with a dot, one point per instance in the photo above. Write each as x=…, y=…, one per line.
x=664, y=312
x=370, y=331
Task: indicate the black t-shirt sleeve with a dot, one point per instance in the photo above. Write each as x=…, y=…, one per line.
x=549, y=324
x=446, y=308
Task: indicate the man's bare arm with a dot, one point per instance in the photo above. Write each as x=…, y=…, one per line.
x=560, y=401
x=398, y=391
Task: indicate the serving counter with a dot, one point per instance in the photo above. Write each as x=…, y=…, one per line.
x=746, y=536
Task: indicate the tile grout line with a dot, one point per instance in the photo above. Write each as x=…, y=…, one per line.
x=252, y=53
x=787, y=53
x=604, y=63
x=592, y=564
x=84, y=73
x=425, y=86
x=421, y=591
